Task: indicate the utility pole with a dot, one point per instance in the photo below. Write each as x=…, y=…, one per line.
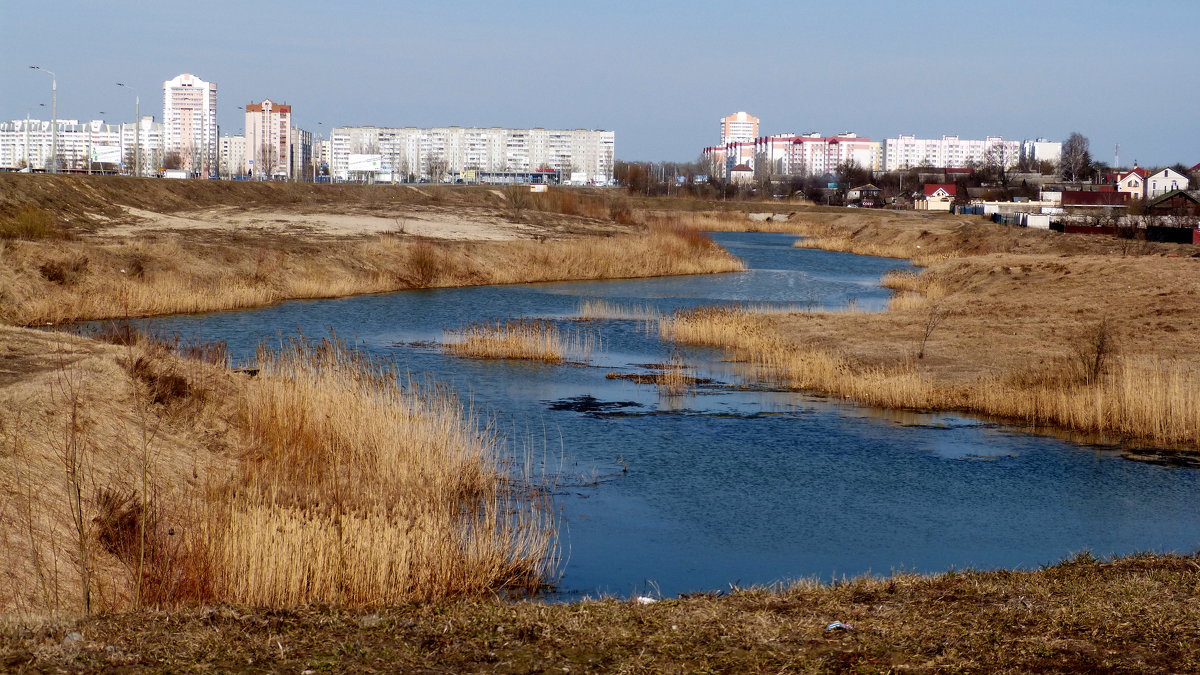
x=137, y=129
x=53, y=118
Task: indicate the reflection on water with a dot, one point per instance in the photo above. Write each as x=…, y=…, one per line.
x=730, y=484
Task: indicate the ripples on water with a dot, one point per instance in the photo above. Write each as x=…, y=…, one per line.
x=735, y=486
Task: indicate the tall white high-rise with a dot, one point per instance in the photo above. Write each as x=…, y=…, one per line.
x=268, y=140
x=190, y=139
x=740, y=127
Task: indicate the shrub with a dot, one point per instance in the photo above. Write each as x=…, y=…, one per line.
x=30, y=222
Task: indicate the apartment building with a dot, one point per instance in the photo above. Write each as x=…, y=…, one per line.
x=795, y=155
x=947, y=152
x=190, y=124
x=302, y=155
x=433, y=154
x=268, y=140
x=82, y=146
x=1040, y=150
x=740, y=127
x=231, y=156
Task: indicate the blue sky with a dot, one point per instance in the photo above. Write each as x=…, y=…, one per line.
x=659, y=73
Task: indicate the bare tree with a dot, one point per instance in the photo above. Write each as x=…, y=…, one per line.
x=933, y=318
x=1095, y=349
x=268, y=162
x=996, y=161
x=437, y=167
x=1076, y=159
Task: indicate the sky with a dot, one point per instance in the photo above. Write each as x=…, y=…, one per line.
x=660, y=73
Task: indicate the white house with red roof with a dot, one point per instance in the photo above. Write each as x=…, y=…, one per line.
x=943, y=192
x=938, y=197
x=742, y=173
x=1133, y=182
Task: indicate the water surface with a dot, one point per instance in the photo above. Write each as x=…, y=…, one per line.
x=742, y=486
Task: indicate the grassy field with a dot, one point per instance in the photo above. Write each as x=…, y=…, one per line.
x=1132, y=615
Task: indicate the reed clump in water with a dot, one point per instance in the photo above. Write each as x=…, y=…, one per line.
x=525, y=339
x=596, y=309
x=674, y=378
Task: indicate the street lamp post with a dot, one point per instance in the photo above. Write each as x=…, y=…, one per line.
x=53, y=116
x=137, y=129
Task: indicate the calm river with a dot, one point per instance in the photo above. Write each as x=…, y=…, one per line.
x=730, y=486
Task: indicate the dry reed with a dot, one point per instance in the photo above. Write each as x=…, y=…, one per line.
x=361, y=491
x=1134, y=398
x=324, y=479
x=533, y=340
x=595, y=309
x=913, y=290
x=673, y=379
x=77, y=280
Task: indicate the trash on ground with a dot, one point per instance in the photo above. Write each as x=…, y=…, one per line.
x=838, y=625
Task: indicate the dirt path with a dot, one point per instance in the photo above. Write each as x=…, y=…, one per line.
x=466, y=224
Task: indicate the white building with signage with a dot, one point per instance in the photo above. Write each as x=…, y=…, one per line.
x=82, y=146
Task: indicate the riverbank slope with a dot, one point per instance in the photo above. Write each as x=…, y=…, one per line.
x=76, y=247
x=1090, y=334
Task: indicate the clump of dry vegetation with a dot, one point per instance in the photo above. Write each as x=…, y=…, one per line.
x=363, y=490
x=596, y=309
x=30, y=222
x=139, y=478
x=525, y=339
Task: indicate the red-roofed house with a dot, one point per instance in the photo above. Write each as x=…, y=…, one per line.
x=1133, y=182
x=742, y=173
x=941, y=191
x=938, y=197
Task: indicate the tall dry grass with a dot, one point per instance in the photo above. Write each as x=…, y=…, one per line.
x=153, y=480
x=1132, y=398
x=596, y=309
x=674, y=378
x=67, y=281
x=913, y=290
x=361, y=489
x=527, y=339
